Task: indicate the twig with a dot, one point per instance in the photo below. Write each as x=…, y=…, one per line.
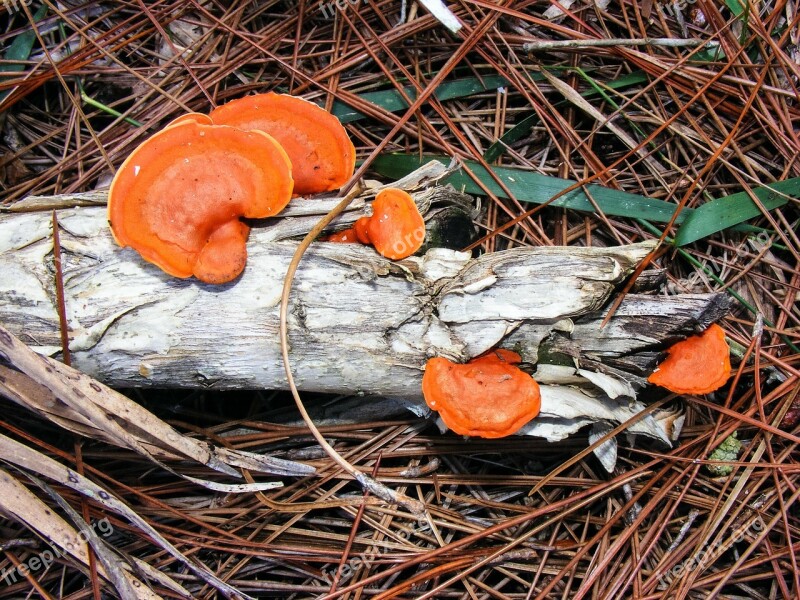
x=62, y=307
x=368, y=483
x=580, y=44
x=19, y=543
x=693, y=514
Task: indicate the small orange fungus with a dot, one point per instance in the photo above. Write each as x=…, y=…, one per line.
x=487, y=397
x=396, y=228
x=345, y=236
x=699, y=364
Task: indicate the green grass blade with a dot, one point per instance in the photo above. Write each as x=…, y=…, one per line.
x=737, y=7
x=522, y=128
x=516, y=133
x=535, y=188
x=722, y=213
x=107, y=109
x=392, y=100
x=20, y=48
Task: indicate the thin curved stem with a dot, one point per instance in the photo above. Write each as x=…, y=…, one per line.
x=368, y=483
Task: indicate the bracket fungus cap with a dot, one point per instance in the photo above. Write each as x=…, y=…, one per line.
x=699, y=364
x=192, y=117
x=177, y=199
x=322, y=155
x=487, y=397
x=396, y=228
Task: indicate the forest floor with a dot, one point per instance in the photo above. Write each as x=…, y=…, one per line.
x=690, y=103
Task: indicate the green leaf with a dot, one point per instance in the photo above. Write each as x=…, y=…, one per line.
x=737, y=7
x=712, y=52
x=20, y=48
x=516, y=133
x=721, y=213
x=535, y=188
x=392, y=100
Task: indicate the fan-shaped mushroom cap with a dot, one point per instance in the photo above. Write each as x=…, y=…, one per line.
x=396, y=227
x=361, y=227
x=699, y=364
x=178, y=197
x=322, y=155
x=487, y=397
x=192, y=117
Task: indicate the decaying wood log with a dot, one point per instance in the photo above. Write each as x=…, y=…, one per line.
x=358, y=322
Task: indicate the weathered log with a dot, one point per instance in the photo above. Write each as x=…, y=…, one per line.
x=358, y=322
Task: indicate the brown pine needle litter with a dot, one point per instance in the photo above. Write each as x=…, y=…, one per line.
x=683, y=102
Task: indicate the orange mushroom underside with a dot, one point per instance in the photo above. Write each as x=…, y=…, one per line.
x=699, y=364
x=487, y=397
x=178, y=197
x=345, y=236
x=322, y=155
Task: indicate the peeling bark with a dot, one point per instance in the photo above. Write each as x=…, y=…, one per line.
x=358, y=322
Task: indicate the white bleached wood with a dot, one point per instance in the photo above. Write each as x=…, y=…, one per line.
x=443, y=14
x=358, y=321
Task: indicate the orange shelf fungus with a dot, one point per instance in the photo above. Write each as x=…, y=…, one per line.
x=487, y=397
x=191, y=117
x=322, y=155
x=699, y=364
x=361, y=228
x=396, y=228
x=345, y=236
x=178, y=197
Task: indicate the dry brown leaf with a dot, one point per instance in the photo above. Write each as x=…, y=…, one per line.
x=22, y=505
x=20, y=455
x=124, y=423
